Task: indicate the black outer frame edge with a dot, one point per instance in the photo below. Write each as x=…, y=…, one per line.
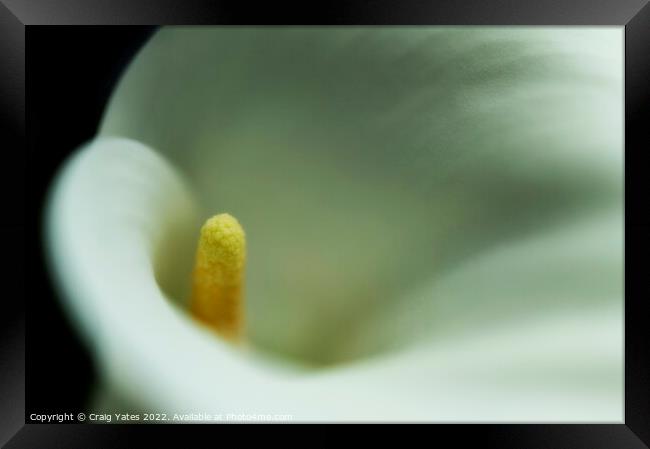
x=347, y=12
x=12, y=192
x=502, y=436
x=637, y=407
x=637, y=226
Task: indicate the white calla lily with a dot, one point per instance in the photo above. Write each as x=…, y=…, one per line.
x=434, y=220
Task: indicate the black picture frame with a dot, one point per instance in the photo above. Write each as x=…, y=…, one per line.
x=19, y=18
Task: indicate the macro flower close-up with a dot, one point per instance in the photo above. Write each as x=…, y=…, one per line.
x=353, y=224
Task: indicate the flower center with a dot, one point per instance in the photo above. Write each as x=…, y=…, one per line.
x=217, y=280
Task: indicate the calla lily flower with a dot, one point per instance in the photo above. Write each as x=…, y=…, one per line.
x=433, y=215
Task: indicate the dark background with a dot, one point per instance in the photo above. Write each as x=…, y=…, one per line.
x=71, y=72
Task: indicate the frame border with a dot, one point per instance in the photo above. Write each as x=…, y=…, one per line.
x=16, y=17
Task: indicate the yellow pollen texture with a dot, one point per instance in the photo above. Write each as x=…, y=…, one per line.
x=218, y=277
